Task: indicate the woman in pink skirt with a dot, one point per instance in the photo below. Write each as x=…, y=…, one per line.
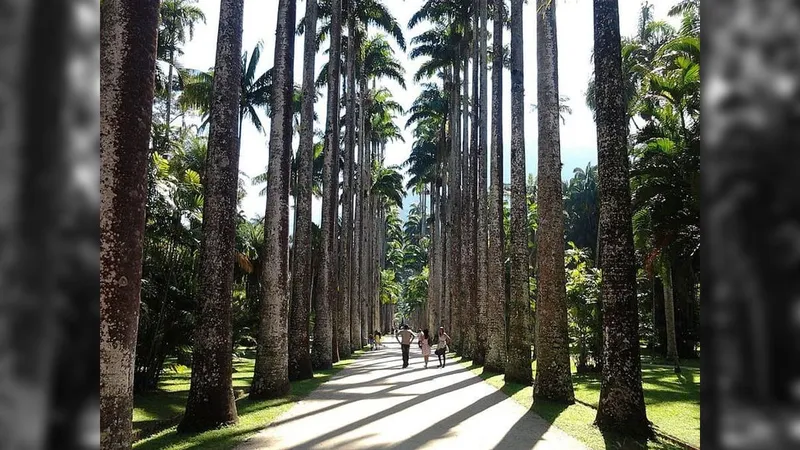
x=425, y=344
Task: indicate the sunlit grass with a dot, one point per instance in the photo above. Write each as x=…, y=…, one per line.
x=170, y=402
x=577, y=419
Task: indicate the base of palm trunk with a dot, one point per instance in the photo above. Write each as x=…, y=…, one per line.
x=518, y=375
x=616, y=418
x=208, y=416
x=494, y=367
x=270, y=392
x=300, y=370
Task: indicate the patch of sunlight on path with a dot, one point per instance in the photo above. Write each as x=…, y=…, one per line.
x=375, y=404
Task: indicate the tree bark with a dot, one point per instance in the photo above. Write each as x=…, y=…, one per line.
x=518, y=368
x=321, y=355
x=482, y=243
x=553, y=377
x=271, y=375
x=496, y=305
x=454, y=213
x=127, y=54
x=465, y=342
x=211, y=402
x=621, y=407
x=346, y=341
x=669, y=313
x=299, y=352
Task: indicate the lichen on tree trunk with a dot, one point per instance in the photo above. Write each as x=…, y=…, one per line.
x=553, y=376
x=271, y=373
x=621, y=407
x=127, y=55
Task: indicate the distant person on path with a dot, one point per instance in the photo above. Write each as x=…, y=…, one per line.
x=377, y=339
x=425, y=344
x=405, y=345
x=441, y=346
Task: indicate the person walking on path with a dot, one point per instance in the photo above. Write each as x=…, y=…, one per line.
x=407, y=337
x=425, y=344
x=441, y=346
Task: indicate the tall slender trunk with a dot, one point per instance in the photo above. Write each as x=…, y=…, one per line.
x=462, y=341
x=454, y=211
x=347, y=341
x=482, y=242
x=669, y=312
x=168, y=118
x=321, y=355
x=621, y=407
x=211, y=402
x=472, y=211
x=365, y=182
x=518, y=368
x=299, y=356
x=271, y=374
x=553, y=377
x=127, y=54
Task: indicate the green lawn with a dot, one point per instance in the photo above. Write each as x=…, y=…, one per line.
x=170, y=401
x=673, y=405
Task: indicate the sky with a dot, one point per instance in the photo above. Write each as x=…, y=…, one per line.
x=575, y=42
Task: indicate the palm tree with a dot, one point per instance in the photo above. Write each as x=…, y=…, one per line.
x=127, y=52
x=299, y=357
x=496, y=305
x=518, y=368
x=553, y=377
x=177, y=17
x=255, y=92
x=621, y=407
x=350, y=285
x=482, y=232
x=211, y=403
x=322, y=350
x=271, y=373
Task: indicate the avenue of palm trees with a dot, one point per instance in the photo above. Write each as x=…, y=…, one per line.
x=185, y=276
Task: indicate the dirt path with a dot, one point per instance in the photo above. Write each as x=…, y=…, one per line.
x=375, y=404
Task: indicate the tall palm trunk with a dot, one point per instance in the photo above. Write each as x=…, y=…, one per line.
x=299, y=356
x=211, y=401
x=669, y=313
x=454, y=211
x=553, y=377
x=496, y=291
x=366, y=182
x=168, y=118
x=127, y=54
x=349, y=321
x=518, y=368
x=482, y=242
x=621, y=407
x=321, y=351
x=271, y=375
